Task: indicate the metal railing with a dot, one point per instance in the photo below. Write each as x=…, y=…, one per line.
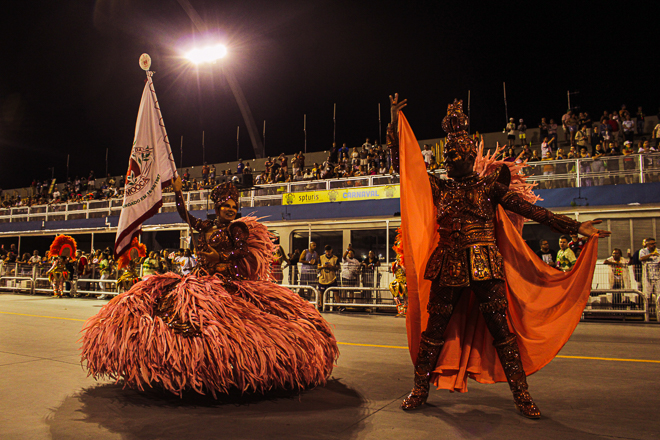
x=624, y=290
x=359, y=297
x=608, y=170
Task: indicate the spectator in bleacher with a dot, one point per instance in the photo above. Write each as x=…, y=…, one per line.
x=240, y=166
x=281, y=176
x=367, y=145
x=629, y=164
x=560, y=168
x=344, y=150
x=623, y=112
x=295, y=163
x=618, y=275
x=316, y=171
x=588, y=124
x=613, y=122
x=564, y=124
x=298, y=176
x=549, y=256
x=186, y=176
x=534, y=170
x=283, y=162
x=597, y=165
x=628, y=126
x=543, y=129
x=612, y=161
x=546, y=147
x=548, y=170
x=565, y=257
x=511, y=132
x=260, y=178
x=268, y=165
x=522, y=132
x=655, y=134
x=364, y=156
x=509, y=154
x=355, y=157
x=552, y=134
x=212, y=175
x=577, y=243
x=580, y=137
x=585, y=166
x=650, y=256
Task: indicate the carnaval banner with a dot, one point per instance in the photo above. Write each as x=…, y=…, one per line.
x=341, y=195
x=150, y=168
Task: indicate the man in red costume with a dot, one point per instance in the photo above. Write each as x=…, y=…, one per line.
x=467, y=257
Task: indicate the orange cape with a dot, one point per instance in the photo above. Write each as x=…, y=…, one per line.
x=545, y=305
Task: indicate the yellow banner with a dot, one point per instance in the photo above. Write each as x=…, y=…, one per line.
x=342, y=195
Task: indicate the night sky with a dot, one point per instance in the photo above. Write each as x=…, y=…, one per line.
x=70, y=82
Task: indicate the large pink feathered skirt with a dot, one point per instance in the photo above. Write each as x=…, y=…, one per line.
x=252, y=336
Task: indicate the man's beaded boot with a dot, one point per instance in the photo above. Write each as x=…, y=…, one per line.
x=429, y=350
x=509, y=354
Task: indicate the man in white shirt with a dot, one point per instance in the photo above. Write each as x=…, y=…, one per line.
x=428, y=154
x=651, y=259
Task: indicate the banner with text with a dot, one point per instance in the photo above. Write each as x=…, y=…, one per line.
x=342, y=195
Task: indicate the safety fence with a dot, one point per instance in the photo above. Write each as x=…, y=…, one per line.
x=619, y=290
x=624, y=290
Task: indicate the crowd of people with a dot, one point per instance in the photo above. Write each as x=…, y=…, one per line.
x=97, y=265
x=602, y=140
x=644, y=262
x=322, y=271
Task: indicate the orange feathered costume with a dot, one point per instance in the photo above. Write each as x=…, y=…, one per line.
x=544, y=305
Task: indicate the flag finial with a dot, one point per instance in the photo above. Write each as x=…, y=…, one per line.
x=145, y=61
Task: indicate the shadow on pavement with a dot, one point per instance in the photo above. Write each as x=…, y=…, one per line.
x=332, y=411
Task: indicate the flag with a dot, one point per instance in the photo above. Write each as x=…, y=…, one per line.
x=150, y=169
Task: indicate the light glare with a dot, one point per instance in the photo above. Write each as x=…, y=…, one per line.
x=208, y=54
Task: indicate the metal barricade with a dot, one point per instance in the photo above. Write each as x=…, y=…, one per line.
x=17, y=277
x=309, y=293
x=102, y=285
x=362, y=297
x=614, y=291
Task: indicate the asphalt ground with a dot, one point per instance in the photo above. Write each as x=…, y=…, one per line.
x=605, y=384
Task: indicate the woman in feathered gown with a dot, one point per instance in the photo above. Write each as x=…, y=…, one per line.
x=225, y=326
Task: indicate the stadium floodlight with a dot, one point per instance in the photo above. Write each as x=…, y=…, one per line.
x=207, y=54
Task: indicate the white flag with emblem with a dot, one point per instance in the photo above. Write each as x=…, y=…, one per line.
x=150, y=168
